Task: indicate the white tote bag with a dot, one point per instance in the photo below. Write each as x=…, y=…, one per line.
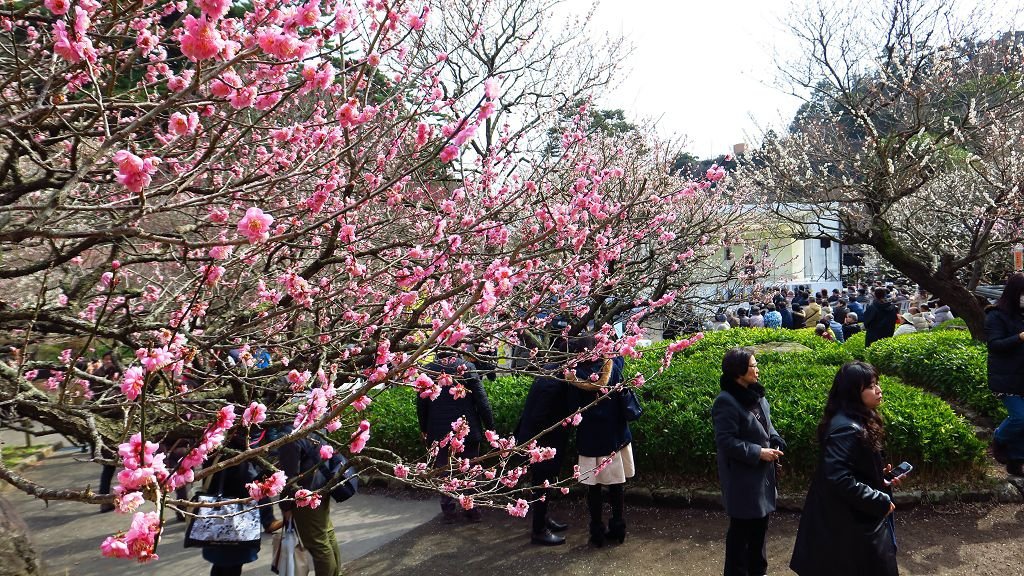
x=290, y=557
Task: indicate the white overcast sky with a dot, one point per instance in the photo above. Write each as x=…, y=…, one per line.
x=703, y=69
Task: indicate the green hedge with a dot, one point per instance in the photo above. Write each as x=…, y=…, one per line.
x=855, y=346
x=947, y=361
x=675, y=437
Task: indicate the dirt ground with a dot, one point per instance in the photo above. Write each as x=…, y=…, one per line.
x=964, y=539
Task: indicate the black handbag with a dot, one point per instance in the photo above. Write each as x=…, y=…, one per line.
x=631, y=407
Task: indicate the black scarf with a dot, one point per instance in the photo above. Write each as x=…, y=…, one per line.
x=748, y=397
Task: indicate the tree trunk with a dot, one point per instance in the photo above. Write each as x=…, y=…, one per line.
x=941, y=282
x=18, y=557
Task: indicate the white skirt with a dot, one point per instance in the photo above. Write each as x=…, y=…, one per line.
x=598, y=470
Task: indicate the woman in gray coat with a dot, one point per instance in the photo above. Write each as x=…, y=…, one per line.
x=748, y=449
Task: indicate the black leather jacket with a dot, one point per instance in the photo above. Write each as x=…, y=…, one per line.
x=843, y=529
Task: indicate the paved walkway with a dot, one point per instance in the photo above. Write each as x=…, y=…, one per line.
x=68, y=534
x=384, y=536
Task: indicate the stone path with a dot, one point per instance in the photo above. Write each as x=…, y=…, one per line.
x=382, y=535
x=68, y=534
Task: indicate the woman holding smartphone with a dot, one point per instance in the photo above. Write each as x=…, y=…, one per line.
x=846, y=527
x=748, y=449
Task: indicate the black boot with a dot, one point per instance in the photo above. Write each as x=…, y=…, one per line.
x=540, y=533
x=539, y=509
x=999, y=452
x=556, y=526
x=594, y=504
x=546, y=538
x=1015, y=468
x=617, y=524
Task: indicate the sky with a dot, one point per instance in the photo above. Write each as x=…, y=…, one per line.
x=706, y=70
x=703, y=70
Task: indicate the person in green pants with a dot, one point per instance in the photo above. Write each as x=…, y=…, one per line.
x=313, y=525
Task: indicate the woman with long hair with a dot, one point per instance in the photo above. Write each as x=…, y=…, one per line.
x=748, y=449
x=1004, y=331
x=603, y=438
x=846, y=527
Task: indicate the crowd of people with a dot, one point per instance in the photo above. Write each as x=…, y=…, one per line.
x=847, y=524
x=879, y=311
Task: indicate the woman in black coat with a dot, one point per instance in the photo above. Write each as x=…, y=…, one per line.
x=846, y=527
x=1004, y=330
x=547, y=404
x=230, y=483
x=462, y=395
x=748, y=448
x=603, y=440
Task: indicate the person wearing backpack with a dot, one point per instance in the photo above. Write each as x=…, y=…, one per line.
x=301, y=459
x=462, y=396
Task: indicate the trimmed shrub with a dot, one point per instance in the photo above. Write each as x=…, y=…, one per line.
x=675, y=436
x=954, y=324
x=855, y=346
x=947, y=361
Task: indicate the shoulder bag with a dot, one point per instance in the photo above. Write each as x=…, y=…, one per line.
x=232, y=525
x=631, y=407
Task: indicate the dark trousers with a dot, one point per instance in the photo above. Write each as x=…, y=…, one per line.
x=745, y=551
x=449, y=505
x=106, y=478
x=226, y=570
x=1011, y=432
x=541, y=497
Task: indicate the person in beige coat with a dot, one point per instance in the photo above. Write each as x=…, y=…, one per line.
x=812, y=313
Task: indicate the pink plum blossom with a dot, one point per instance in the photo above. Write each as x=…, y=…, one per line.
x=450, y=152
x=201, y=39
x=256, y=413
x=180, y=124
x=255, y=225
x=268, y=487
x=361, y=403
x=326, y=451
x=132, y=381
x=214, y=9
x=519, y=509
x=360, y=437
x=58, y=7
x=305, y=498
x=133, y=172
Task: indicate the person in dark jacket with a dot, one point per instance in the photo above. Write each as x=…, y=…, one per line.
x=748, y=449
x=846, y=527
x=879, y=318
x=798, y=316
x=313, y=525
x=547, y=404
x=786, y=313
x=856, y=307
x=462, y=396
x=850, y=325
x=603, y=440
x=1004, y=331
x=230, y=482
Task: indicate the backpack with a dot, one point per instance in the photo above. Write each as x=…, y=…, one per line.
x=335, y=473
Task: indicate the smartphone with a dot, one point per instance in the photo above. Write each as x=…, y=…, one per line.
x=902, y=470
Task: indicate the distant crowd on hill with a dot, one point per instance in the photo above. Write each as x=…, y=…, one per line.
x=839, y=314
